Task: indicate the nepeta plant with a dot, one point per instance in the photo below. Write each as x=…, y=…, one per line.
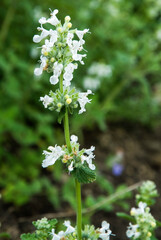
x=59, y=56
x=60, y=53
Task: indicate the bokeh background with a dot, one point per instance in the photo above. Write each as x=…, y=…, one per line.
x=123, y=68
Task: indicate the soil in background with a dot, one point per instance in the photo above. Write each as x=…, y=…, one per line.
x=142, y=161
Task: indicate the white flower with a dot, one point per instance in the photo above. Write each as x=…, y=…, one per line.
x=75, y=46
x=58, y=67
x=53, y=156
x=90, y=151
x=70, y=167
x=46, y=100
x=140, y=210
x=69, y=229
x=74, y=139
x=62, y=234
x=105, y=232
x=133, y=231
x=50, y=43
x=69, y=39
x=38, y=71
x=44, y=34
x=53, y=36
x=80, y=34
x=89, y=158
x=52, y=20
x=78, y=57
x=57, y=236
x=83, y=99
x=89, y=161
x=68, y=74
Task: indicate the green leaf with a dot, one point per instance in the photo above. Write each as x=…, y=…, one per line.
x=125, y=216
x=158, y=223
x=70, y=110
x=61, y=115
x=53, y=222
x=28, y=236
x=84, y=174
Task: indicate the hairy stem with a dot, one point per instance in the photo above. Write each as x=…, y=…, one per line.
x=77, y=184
x=66, y=130
x=61, y=83
x=79, y=209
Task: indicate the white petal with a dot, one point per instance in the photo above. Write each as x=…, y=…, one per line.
x=36, y=39
x=105, y=225
x=92, y=166
x=42, y=20
x=38, y=71
x=53, y=156
x=54, y=80
x=70, y=167
x=80, y=34
x=74, y=138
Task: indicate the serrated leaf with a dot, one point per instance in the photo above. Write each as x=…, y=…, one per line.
x=28, y=236
x=52, y=222
x=84, y=174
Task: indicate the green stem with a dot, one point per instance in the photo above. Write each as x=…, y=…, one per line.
x=66, y=130
x=79, y=209
x=77, y=184
x=61, y=83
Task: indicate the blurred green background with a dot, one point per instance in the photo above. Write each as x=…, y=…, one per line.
x=125, y=39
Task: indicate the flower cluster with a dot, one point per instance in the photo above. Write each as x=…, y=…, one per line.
x=145, y=223
x=71, y=159
x=68, y=98
x=60, y=48
x=89, y=232
x=58, y=100
x=147, y=193
x=59, y=55
x=42, y=223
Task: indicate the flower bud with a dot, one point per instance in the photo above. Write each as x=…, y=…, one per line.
x=153, y=224
x=45, y=54
x=69, y=100
x=59, y=29
x=59, y=105
x=75, y=105
x=59, y=44
x=147, y=209
x=66, y=96
x=67, y=18
x=65, y=160
x=74, y=234
x=52, y=59
x=69, y=25
x=149, y=234
x=132, y=213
